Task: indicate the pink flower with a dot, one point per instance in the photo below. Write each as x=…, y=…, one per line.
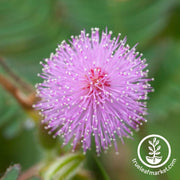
x=93, y=86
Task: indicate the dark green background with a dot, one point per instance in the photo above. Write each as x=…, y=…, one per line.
x=31, y=29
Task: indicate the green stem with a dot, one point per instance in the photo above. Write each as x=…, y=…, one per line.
x=101, y=168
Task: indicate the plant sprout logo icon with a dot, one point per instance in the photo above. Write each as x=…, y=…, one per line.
x=154, y=151
x=154, y=144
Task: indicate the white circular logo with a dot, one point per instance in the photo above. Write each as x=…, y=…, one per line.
x=157, y=151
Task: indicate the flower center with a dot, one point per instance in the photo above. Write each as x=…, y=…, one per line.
x=96, y=80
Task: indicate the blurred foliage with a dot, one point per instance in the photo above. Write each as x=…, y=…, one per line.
x=63, y=168
x=12, y=172
x=30, y=30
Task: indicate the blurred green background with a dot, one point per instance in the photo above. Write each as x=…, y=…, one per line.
x=31, y=29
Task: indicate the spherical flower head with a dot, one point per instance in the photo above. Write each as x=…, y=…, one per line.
x=94, y=86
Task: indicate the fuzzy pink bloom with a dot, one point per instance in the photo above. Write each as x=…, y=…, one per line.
x=93, y=86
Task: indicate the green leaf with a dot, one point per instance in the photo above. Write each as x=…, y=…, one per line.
x=64, y=167
x=166, y=98
x=87, y=15
x=12, y=116
x=12, y=173
x=140, y=20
